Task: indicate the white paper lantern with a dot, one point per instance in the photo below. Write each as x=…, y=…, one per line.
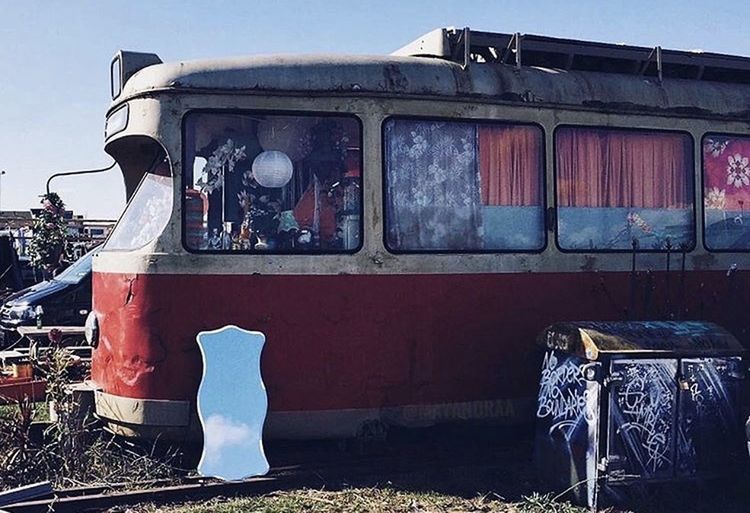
x=272, y=169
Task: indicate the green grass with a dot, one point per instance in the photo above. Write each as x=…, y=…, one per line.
x=41, y=411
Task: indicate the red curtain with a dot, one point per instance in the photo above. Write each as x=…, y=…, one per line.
x=510, y=165
x=616, y=168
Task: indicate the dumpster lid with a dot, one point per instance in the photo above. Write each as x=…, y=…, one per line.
x=591, y=339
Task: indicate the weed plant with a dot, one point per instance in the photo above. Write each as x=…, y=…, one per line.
x=73, y=450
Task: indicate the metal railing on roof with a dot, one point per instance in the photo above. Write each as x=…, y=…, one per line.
x=466, y=46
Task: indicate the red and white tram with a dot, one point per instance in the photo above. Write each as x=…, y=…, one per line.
x=402, y=227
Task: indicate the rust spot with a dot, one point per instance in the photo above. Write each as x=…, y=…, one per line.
x=634, y=107
x=510, y=96
x=131, y=294
x=529, y=96
x=589, y=263
x=701, y=262
x=394, y=79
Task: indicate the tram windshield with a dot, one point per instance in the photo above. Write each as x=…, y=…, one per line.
x=256, y=182
x=147, y=213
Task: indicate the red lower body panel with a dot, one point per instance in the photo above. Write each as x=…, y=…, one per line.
x=378, y=341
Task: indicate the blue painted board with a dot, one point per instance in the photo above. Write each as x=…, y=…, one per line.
x=232, y=404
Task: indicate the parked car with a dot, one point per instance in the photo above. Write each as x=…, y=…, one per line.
x=65, y=301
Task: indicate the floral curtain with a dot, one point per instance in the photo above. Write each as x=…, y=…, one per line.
x=510, y=165
x=726, y=191
x=432, y=182
x=616, y=168
x=726, y=165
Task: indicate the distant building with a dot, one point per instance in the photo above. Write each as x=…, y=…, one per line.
x=82, y=233
x=18, y=224
x=13, y=219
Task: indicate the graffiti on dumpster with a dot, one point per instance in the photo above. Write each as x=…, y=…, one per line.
x=562, y=393
x=643, y=411
x=631, y=415
x=708, y=422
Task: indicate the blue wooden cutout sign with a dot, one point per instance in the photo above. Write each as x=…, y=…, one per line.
x=232, y=404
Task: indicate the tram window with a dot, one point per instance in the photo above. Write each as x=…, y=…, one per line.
x=461, y=186
x=257, y=182
x=617, y=188
x=147, y=213
x=726, y=192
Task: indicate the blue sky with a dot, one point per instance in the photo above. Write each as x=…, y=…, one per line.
x=54, y=58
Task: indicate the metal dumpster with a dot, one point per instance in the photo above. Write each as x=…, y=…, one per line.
x=637, y=402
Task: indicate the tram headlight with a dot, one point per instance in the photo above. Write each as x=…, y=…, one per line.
x=91, y=330
x=116, y=122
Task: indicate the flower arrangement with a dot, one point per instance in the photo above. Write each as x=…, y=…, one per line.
x=222, y=161
x=48, y=243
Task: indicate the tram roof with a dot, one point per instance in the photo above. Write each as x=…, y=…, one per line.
x=436, y=76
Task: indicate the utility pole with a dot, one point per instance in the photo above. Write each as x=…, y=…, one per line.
x=1, y=189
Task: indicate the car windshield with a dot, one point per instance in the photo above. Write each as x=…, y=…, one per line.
x=78, y=271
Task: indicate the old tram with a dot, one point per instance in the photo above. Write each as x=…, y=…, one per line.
x=401, y=227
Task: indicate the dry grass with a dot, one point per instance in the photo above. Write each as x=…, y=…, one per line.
x=370, y=500
x=704, y=498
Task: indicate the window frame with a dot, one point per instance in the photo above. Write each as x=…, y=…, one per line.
x=270, y=112
x=692, y=178
x=703, y=190
x=475, y=121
